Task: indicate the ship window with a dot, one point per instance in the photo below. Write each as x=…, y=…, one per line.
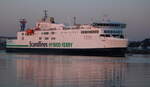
x=107, y=35
x=45, y=33
x=40, y=38
x=118, y=36
x=105, y=31
x=53, y=38
x=121, y=36
x=123, y=26
x=102, y=35
x=109, y=25
x=52, y=32
x=22, y=33
x=46, y=38
x=112, y=31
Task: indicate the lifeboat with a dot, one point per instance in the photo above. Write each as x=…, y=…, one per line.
x=29, y=32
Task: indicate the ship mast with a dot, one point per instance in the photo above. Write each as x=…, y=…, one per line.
x=74, y=19
x=22, y=24
x=45, y=15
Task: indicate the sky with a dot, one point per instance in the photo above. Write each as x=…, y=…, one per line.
x=135, y=13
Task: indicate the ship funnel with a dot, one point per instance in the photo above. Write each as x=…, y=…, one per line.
x=52, y=20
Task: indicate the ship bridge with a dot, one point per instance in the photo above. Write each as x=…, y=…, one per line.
x=108, y=28
x=111, y=24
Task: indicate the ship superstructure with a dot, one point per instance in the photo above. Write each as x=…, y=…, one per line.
x=104, y=38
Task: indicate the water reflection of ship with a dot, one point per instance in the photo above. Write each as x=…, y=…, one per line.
x=70, y=72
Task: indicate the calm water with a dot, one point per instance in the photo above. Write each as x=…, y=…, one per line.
x=30, y=70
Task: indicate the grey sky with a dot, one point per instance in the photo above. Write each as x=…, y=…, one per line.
x=136, y=13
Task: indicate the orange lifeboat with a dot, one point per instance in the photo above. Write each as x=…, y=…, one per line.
x=29, y=32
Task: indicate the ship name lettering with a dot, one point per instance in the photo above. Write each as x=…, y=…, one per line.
x=38, y=44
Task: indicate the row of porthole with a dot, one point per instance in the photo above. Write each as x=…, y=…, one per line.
x=40, y=38
x=47, y=33
x=47, y=38
x=43, y=33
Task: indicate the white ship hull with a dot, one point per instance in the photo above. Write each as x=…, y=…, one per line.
x=79, y=44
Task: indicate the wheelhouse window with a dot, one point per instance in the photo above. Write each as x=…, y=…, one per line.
x=113, y=31
x=109, y=25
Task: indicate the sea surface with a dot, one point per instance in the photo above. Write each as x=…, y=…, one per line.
x=34, y=70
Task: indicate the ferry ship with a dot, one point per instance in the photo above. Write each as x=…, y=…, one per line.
x=104, y=38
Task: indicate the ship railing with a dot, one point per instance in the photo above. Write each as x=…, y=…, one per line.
x=11, y=40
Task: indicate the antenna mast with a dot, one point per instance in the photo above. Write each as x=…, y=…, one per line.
x=74, y=18
x=45, y=15
x=106, y=18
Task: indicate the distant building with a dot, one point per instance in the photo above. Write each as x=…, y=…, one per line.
x=140, y=47
x=134, y=44
x=145, y=44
